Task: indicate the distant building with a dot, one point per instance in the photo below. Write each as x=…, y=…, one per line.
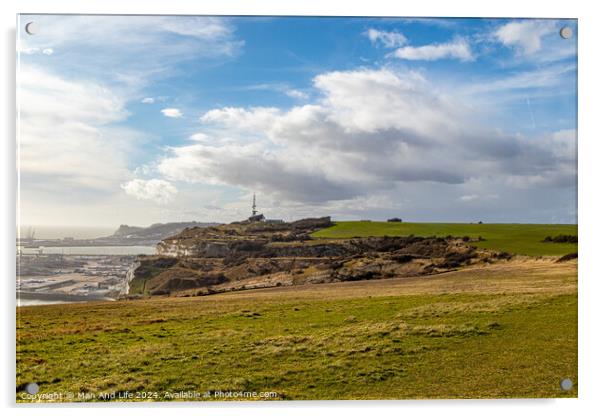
x=273, y=221
x=256, y=218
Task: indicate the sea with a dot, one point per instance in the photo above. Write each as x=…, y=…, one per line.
x=52, y=232
x=92, y=250
x=34, y=302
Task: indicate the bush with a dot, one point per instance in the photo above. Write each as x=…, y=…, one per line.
x=567, y=257
x=561, y=238
x=455, y=259
x=503, y=255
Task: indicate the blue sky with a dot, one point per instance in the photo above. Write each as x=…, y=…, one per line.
x=146, y=119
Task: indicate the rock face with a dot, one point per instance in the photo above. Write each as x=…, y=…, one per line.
x=225, y=240
x=245, y=255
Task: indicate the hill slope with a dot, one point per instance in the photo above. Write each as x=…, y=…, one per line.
x=526, y=239
x=501, y=330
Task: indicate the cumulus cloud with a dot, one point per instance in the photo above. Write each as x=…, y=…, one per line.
x=73, y=155
x=525, y=36
x=457, y=49
x=172, y=112
x=147, y=100
x=387, y=39
x=371, y=131
x=156, y=190
x=64, y=137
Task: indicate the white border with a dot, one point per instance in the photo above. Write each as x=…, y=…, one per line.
x=590, y=205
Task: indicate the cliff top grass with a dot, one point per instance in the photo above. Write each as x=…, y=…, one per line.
x=525, y=239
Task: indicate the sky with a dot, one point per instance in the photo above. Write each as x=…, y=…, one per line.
x=145, y=119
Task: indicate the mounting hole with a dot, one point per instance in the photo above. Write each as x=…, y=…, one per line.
x=32, y=388
x=566, y=32
x=566, y=384
x=31, y=28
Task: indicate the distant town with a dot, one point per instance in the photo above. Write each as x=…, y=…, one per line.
x=71, y=270
x=57, y=277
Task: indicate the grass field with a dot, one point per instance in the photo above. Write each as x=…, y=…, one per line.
x=514, y=238
x=502, y=330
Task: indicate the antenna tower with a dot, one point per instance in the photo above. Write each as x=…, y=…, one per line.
x=254, y=205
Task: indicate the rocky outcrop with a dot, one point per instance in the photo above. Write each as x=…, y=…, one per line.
x=247, y=255
x=231, y=239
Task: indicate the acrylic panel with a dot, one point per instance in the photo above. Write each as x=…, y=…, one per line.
x=295, y=208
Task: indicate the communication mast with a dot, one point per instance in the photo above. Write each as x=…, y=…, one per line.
x=254, y=205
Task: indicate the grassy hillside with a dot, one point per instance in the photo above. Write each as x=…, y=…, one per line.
x=505, y=330
x=514, y=238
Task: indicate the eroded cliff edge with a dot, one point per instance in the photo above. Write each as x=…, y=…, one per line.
x=245, y=255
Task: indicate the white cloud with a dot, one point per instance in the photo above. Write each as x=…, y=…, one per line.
x=293, y=93
x=200, y=137
x=549, y=76
x=72, y=159
x=371, y=131
x=386, y=39
x=281, y=88
x=474, y=197
x=253, y=118
x=156, y=190
x=147, y=100
x=133, y=49
x=457, y=49
x=28, y=51
x=525, y=36
x=467, y=198
x=172, y=112
x=32, y=50
x=64, y=137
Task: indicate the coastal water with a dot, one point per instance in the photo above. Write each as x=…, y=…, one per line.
x=34, y=302
x=54, y=232
x=93, y=250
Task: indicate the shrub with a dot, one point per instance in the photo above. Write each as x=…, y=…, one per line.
x=567, y=257
x=561, y=238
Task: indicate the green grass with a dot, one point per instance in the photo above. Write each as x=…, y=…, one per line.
x=514, y=238
x=489, y=333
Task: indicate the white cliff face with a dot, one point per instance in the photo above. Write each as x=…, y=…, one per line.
x=174, y=250
x=129, y=277
x=204, y=249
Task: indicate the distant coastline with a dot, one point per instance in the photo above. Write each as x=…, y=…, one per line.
x=124, y=235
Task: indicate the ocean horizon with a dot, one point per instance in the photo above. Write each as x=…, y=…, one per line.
x=63, y=231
